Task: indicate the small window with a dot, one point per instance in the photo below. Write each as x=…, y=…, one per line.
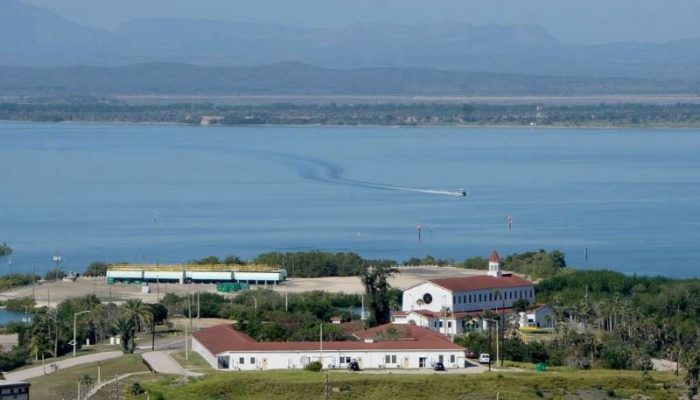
x=454, y=299
x=387, y=359
x=347, y=359
x=252, y=360
x=490, y=296
x=452, y=358
x=241, y=360
x=470, y=298
x=393, y=358
x=440, y=324
x=449, y=324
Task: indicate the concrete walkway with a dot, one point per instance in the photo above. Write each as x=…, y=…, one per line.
x=162, y=363
x=41, y=370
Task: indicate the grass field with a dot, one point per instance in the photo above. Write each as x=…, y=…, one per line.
x=296, y=385
x=195, y=363
x=64, y=383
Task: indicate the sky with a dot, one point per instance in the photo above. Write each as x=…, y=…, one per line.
x=576, y=21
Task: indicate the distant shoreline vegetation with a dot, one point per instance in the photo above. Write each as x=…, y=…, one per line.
x=313, y=264
x=680, y=115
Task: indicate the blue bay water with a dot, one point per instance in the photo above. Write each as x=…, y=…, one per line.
x=147, y=193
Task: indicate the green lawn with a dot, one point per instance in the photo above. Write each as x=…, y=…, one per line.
x=295, y=385
x=195, y=363
x=64, y=382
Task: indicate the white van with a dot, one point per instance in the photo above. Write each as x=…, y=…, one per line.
x=484, y=358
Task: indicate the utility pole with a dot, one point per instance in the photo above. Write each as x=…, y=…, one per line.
x=320, y=353
x=502, y=328
x=498, y=355
x=489, y=323
x=187, y=348
x=55, y=348
x=189, y=309
x=153, y=330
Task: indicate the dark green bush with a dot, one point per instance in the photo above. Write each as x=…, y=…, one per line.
x=314, y=366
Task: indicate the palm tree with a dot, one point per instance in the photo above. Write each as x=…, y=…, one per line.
x=138, y=312
x=40, y=342
x=40, y=345
x=125, y=329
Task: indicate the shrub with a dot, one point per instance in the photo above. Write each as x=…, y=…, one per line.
x=136, y=389
x=54, y=275
x=314, y=366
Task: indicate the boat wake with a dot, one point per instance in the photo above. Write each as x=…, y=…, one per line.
x=326, y=172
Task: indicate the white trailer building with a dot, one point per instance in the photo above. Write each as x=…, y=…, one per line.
x=196, y=273
x=386, y=346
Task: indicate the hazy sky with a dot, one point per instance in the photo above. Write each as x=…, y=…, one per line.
x=585, y=21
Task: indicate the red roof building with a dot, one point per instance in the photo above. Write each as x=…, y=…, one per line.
x=442, y=304
x=386, y=346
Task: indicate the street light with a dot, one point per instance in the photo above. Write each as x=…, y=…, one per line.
x=75, y=321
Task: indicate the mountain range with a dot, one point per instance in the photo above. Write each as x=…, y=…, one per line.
x=35, y=37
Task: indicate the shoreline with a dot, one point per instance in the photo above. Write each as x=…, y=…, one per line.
x=344, y=126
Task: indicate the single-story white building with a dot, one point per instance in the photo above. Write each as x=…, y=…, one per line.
x=386, y=346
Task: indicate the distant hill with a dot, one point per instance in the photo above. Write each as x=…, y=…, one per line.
x=31, y=36
x=302, y=79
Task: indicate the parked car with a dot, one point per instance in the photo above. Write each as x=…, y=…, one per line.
x=472, y=355
x=354, y=366
x=439, y=367
x=484, y=358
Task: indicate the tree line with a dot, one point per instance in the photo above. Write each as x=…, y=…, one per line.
x=423, y=114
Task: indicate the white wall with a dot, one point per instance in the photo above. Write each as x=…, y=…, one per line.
x=336, y=359
x=544, y=316
x=441, y=298
x=258, y=276
x=208, y=357
x=457, y=301
x=462, y=302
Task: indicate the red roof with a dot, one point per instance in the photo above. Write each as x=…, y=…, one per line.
x=221, y=338
x=463, y=283
x=495, y=257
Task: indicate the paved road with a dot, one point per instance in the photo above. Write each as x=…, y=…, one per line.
x=162, y=363
x=67, y=363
